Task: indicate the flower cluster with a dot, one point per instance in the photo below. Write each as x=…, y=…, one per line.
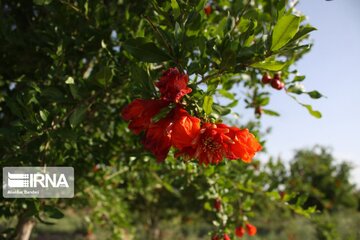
x=194, y=139
x=239, y=232
x=249, y=229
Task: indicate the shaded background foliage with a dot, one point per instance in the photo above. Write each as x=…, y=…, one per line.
x=67, y=68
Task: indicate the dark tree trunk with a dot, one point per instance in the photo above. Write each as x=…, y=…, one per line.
x=24, y=228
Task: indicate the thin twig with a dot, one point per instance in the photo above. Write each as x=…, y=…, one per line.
x=171, y=52
x=74, y=8
x=161, y=36
x=210, y=76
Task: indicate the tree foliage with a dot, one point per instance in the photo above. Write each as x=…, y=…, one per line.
x=315, y=173
x=67, y=68
x=316, y=179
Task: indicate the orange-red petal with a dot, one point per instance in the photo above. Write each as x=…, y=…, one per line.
x=139, y=112
x=245, y=145
x=239, y=231
x=250, y=229
x=185, y=129
x=157, y=139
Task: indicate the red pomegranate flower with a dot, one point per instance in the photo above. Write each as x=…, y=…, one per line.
x=215, y=237
x=184, y=129
x=239, y=231
x=157, y=138
x=216, y=141
x=226, y=237
x=173, y=85
x=209, y=146
x=139, y=112
x=250, y=229
x=217, y=204
x=207, y=9
x=245, y=145
x=178, y=128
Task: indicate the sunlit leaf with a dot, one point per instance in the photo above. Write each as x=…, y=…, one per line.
x=270, y=112
x=284, y=30
x=270, y=65
x=313, y=112
x=207, y=105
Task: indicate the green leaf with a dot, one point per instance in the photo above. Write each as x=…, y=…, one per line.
x=315, y=94
x=103, y=44
x=246, y=188
x=247, y=204
x=313, y=112
x=244, y=24
x=53, y=94
x=274, y=195
x=194, y=21
x=176, y=8
x=53, y=212
x=270, y=65
x=32, y=209
x=232, y=104
x=212, y=86
x=298, y=78
x=146, y=52
x=14, y=107
x=301, y=200
x=284, y=30
x=138, y=74
x=209, y=171
x=228, y=59
x=227, y=94
x=270, y=112
x=167, y=185
x=177, y=32
x=77, y=116
x=35, y=87
x=200, y=6
x=299, y=210
x=44, y=115
x=294, y=89
x=281, y=7
x=264, y=101
x=104, y=76
x=302, y=32
x=207, y=105
x=69, y=80
x=221, y=110
x=208, y=206
x=75, y=92
x=230, y=24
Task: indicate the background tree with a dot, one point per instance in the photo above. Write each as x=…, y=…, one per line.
x=313, y=178
x=315, y=173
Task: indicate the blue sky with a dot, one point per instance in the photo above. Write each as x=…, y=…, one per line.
x=333, y=68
